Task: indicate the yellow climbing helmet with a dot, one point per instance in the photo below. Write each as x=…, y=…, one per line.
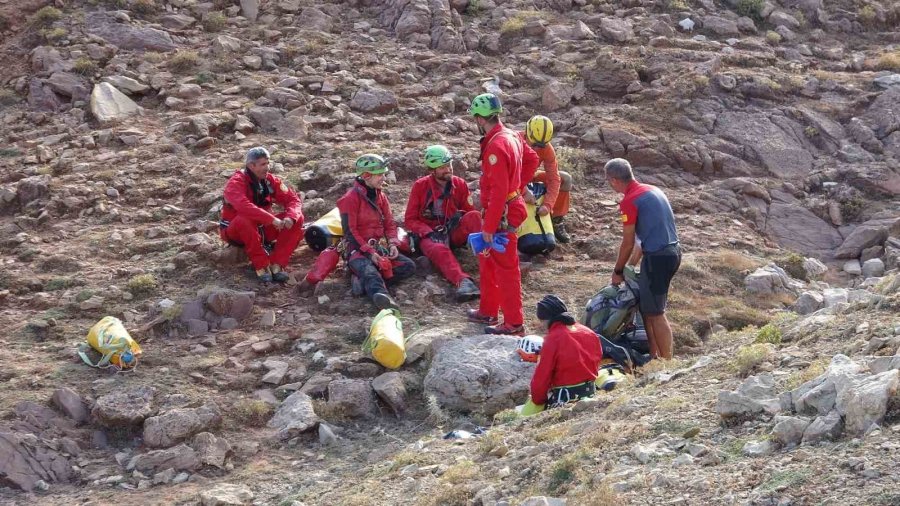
x=539, y=131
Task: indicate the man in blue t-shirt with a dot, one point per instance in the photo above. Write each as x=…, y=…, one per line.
x=647, y=214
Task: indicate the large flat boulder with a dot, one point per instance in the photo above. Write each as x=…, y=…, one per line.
x=798, y=229
x=479, y=374
x=127, y=36
x=127, y=407
x=294, y=416
x=27, y=462
x=110, y=105
x=176, y=425
x=779, y=151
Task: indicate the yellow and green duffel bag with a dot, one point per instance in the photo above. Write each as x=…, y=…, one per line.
x=385, y=341
x=324, y=232
x=536, y=232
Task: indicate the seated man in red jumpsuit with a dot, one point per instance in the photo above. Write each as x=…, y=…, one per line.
x=507, y=164
x=247, y=219
x=441, y=214
x=569, y=360
x=371, y=234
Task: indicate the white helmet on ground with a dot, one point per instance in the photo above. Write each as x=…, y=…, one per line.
x=529, y=347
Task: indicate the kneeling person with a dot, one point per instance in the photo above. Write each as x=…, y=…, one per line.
x=247, y=219
x=371, y=234
x=569, y=358
x=538, y=134
x=441, y=214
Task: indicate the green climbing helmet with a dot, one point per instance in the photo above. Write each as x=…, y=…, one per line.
x=485, y=105
x=437, y=156
x=373, y=164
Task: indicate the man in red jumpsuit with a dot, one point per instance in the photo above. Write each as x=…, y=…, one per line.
x=371, y=234
x=569, y=358
x=247, y=217
x=507, y=164
x=441, y=214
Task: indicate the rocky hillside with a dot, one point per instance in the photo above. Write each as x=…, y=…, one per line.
x=774, y=127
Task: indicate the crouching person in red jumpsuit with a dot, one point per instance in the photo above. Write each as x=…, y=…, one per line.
x=507, y=164
x=371, y=234
x=569, y=358
x=247, y=219
x=441, y=215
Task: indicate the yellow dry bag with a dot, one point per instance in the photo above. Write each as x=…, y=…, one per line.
x=115, y=345
x=386, y=342
x=325, y=232
x=536, y=232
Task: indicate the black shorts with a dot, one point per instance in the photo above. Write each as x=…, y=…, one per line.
x=657, y=270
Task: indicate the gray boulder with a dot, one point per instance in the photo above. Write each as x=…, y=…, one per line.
x=873, y=268
x=352, y=397
x=27, y=462
x=478, y=374
x=827, y=427
x=373, y=100
x=797, y=228
x=294, y=416
x=720, y=27
x=212, y=450
x=179, y=458
x=71, y=404
x=109, y=104
x=814, y=268
x=392, y=390
x=226, y=494
x=809, y=302
x=616, y=29
x=69, y=85
x=127, y=85
x=770, y=280
x=127, y=36
x=852, y=267
x=609, y=77
x=778, y=150
x=863, y=400
x=756, y=395
x=788, y=430
x=126, y=407
x=177, y=425
x=250, y=9
x=870, y=233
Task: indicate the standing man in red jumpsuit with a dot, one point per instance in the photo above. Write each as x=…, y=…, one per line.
x=247, y=219
x=371, y=234
x=507, y=164
x=441, y=214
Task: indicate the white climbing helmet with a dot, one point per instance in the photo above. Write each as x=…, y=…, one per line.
x=529, y=347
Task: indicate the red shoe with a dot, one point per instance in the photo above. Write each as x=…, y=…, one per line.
x=475, y=317
x=506, y=330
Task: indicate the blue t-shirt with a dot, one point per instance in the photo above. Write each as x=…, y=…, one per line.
x=647, y=208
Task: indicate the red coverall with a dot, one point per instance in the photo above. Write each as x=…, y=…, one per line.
x=362, y=221
x=570, y=355
x=507, y=164
x=248, y=205
x=431, y=205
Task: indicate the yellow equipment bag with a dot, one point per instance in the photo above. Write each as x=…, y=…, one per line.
x=324, y=232
x=386, y=342
x=609, y=377
x=115, y=345
x=536, y=232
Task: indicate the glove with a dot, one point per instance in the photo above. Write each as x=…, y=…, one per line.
x=477, y=244
x=500, y=241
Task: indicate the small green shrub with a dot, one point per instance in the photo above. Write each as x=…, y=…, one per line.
x=252, y=412
x=153, y=57
x=47, y=15
x=54, y=34
x=563, y=472
x=773, y=38
x=214, y=21
x=144, y=7
x=768, y=334
x=852, y=208
x=750, y=8
x=866, y=14
x=512, y=25
x=889, y=61
x=8, y=97
x=83, y=295
x=142, y=285
x=679, y=5
x=85, y=66
x=793, y=265
x=506, y=416
x=184, y=61
x=811, y=132
x=749, y=357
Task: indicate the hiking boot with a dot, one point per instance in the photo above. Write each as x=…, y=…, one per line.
x=466, y=290
x=506, y=330
x=278, y=274
x=384, y=301
x=475, y=317
x=559, y=230
x=305, y=288
x=356, y=286
x=263, y=275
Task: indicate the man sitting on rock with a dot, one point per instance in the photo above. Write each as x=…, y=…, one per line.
x=569, y=358
x=247, y=218
x=371, y=234
x=440, y=213
x=538, y=134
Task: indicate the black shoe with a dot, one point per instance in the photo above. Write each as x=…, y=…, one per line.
x=278, y=274
x=559, y=230
x=467, y=290
x=263, y=275
x=384, y=301
x=505, y=330
x=475, y=317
